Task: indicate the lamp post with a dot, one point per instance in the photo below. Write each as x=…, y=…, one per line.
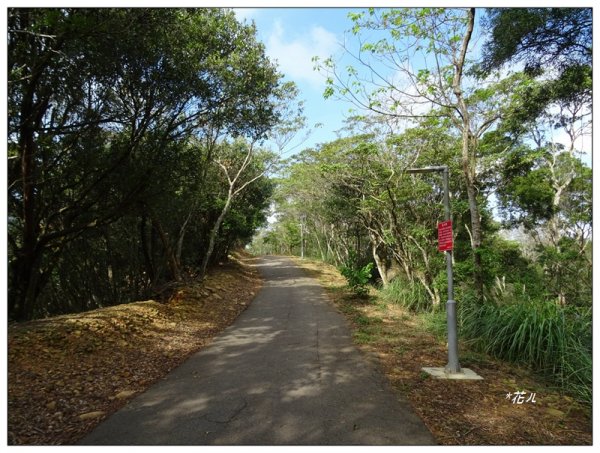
x=453, y=366
x=302, y=219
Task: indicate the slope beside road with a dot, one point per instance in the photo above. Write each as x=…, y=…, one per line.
x=285, y=373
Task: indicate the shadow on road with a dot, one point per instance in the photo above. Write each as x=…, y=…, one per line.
x=286, y=373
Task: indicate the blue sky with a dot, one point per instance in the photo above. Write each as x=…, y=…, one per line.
x=293, y=36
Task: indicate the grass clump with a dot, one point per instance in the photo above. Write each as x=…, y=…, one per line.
x=435, y=322
x=553, y=339
x=410, y=295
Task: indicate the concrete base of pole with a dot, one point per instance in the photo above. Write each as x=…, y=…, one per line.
x=441, y=373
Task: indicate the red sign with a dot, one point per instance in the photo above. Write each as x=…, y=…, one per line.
x=445, y=236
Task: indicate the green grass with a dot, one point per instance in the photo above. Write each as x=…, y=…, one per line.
x=551, y=339
x=407, y=294
x=435, y=322
x=362, y=337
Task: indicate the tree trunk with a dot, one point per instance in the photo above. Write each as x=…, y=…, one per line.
x=433, y=294
x=469, y=146
x=476, y=232
x=26, y=283
x=213, y=234
x=181, y=237
x=321, y=251
x=381, y=266
x=151, y=271
x=171, y=259
x=554, y=229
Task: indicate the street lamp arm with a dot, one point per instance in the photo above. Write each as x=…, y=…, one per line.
x=427, y=169
x=453, y=366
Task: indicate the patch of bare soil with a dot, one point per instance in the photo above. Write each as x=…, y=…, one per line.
x=457, y=412
x=67, y=373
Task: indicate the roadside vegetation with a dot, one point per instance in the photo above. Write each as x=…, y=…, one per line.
x=402, y=341
x=137, y=160
x=511, y=131
x=135, y=150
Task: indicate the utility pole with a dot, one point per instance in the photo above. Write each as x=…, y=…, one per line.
x=302, y=218
x=302, y=240
x=452, y=369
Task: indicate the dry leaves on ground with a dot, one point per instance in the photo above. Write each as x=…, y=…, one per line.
x=67, y=373
x=457, y=412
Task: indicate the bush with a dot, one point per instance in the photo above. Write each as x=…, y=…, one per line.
x=358, y=277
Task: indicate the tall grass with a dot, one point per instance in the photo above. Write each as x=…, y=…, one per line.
x=552, y=339
x=409, y=294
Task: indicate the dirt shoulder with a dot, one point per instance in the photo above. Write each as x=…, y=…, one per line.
x=457, y=412
x=67, y=373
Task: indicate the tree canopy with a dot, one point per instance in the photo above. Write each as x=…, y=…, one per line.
x=137, y=159
x=115, y=122
x=509, y=124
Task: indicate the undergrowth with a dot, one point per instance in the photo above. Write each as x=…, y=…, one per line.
x=552, y=339
x=408, y=294
x=357, y=276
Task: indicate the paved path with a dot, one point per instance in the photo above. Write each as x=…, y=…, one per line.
x=285, y=373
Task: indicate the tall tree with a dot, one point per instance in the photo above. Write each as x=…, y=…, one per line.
x=542, y=38
x=540, y=183
x=241, y=165
x=414, y=66
x=97, y=100
x=554, y=44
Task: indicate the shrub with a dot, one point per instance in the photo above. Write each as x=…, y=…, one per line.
x=357, y=276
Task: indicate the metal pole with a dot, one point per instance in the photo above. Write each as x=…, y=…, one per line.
x=302, y=240
x=453, y=365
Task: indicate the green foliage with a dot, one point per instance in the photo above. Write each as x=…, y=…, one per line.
x=541, y=37
x=552, y=339
x=504, y=260
x=113, y=116
x=358, y=276
x=358, y=201
x=556, y=41
x=409, y=294
x=568, y=272
x=436, y=322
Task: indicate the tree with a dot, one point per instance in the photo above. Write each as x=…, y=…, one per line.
x=358, y=206
x=102, y=100
x=427, y=51
x=241, y=167
x=547, y=189
x=542, y=38
x=537, y=188
x=554, y=44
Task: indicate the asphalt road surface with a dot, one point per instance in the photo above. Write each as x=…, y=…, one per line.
x=285, y=373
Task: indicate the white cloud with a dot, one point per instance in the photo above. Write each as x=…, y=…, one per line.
x=242, y=14
x=294, y=56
